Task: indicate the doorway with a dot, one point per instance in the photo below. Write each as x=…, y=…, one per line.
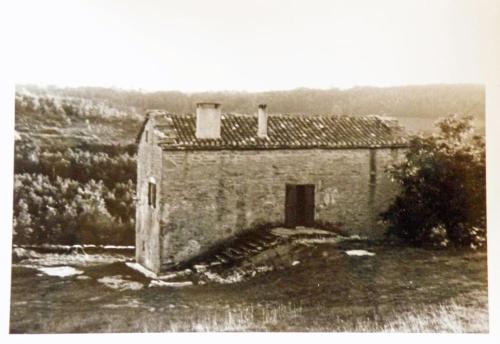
x=299, y=205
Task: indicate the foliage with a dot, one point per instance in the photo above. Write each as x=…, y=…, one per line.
x=70, y=107
x=443, y=197
x=74, y=195
x=77, y=164
x=75, y=170
x=65, y=211
x=81, y=136
x=426, y=101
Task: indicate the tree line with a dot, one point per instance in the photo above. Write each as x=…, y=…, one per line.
x=73, y=196
x=430, y=101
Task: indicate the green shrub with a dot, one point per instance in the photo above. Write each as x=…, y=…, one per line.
x=443, y=198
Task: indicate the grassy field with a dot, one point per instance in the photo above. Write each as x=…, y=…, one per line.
x=313, y=288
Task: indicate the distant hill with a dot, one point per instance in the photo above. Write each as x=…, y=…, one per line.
x=113, y=116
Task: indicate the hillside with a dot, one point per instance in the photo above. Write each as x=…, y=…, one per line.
x=112, y=116
x=75, y=155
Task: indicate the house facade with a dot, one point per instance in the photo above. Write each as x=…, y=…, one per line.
x=205, y=177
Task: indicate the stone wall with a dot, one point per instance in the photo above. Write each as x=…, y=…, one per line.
x=207, y=196
x=147, y=238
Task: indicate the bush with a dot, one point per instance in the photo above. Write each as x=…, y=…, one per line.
x=74, y=195
x=77, y=164
x=443, y=198
x=65, y=211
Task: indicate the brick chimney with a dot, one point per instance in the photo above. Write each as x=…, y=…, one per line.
x=262, y=121
x=208, y=117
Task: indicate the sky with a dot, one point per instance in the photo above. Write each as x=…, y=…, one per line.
x=252, y=45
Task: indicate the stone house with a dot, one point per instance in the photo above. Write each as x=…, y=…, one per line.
x=205, y=177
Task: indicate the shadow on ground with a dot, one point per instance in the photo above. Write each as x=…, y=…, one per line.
x=304, y=283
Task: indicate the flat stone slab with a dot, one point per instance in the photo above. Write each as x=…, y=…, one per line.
x=288, y=232
x=359, y=253
x=119, y=283
x=60, y=271
x=139, y=268
x=159, y=283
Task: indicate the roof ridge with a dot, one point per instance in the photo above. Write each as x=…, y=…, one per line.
x=284, y=115
x=285, y=131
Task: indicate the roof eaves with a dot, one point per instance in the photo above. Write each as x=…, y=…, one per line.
x=143, y=126
x=341, y=146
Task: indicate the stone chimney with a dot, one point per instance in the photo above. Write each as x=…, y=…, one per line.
x=208, y=117
x=262, y=121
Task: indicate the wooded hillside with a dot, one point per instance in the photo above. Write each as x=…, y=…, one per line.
x=430, y=101
x=75, y=152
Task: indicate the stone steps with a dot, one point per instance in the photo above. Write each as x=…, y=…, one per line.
x=235, y=252
x=254, y=245
x=221, y=259
x=241, y=249
x=248, y=248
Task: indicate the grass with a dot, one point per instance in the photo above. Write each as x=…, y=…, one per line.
x=400, y=289
x=452, y=317
x=449, y=318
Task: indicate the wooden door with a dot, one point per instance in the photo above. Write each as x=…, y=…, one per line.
x=299, y=205
x=291, y=206
x=308, y=205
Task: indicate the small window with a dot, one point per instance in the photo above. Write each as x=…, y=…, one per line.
x=152, y=194
x=147, y=136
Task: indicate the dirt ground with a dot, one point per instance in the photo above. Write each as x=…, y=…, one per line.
x=313, y=287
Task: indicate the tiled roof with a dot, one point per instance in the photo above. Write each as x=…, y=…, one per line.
x=177, y=132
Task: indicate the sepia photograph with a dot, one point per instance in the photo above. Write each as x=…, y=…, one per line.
x=249, y=166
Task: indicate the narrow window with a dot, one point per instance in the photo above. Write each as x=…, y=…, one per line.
x=152, y=194
x=373, y=166
x=147, y=136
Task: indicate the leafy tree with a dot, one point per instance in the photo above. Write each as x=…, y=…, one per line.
x=80, y=165
x=443, y=198
x=65, y=211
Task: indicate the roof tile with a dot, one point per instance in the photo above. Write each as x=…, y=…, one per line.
x=284, y=131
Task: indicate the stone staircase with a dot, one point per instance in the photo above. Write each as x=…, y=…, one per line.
x=238, y=249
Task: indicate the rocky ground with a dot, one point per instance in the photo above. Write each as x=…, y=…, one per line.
x=305, y=280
